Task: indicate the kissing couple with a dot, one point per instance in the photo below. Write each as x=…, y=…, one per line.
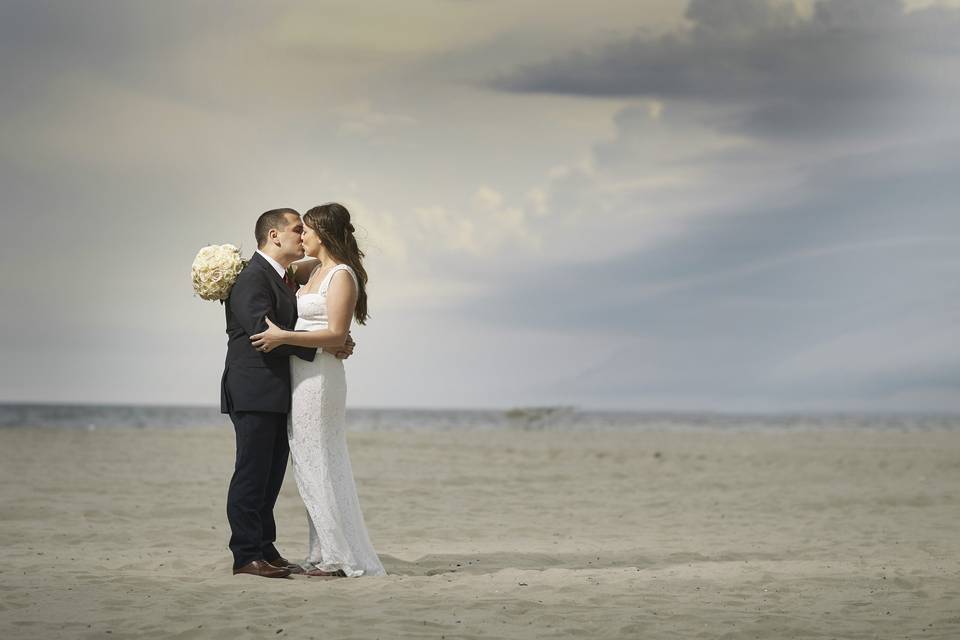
x=285, y=389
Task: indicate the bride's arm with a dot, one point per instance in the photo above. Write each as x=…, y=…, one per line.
x=341, y=301
x=302, y=269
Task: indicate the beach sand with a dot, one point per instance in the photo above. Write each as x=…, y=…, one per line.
x=506, y=534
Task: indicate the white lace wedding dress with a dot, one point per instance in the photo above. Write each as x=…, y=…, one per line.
x=318, y=446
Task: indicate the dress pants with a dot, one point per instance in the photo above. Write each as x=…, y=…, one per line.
x=262, y=453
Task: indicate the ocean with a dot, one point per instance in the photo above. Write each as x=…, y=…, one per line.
x=92, y=416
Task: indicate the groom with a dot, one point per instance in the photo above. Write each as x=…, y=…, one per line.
x=255, y=391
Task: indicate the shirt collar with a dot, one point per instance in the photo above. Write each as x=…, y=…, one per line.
x=273, y=263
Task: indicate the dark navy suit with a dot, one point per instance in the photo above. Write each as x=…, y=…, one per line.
x=255, y=391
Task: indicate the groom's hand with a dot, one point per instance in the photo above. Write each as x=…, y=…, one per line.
x=346, y=350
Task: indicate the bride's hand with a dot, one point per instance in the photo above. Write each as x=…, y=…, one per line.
x=267, y=341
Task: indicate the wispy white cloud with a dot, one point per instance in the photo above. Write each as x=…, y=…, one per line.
x=362, y=118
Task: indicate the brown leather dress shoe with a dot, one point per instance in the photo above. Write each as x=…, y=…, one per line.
x=283, y=563
x=263, y=569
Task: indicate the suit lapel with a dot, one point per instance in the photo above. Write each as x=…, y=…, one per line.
x=279, y=285
x=263, y=264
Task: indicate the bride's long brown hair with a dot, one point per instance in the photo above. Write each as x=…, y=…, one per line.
x=332, y=223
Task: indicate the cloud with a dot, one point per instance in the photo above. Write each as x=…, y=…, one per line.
x=772, y=216
x=849, y=67
x=487, y=227
x=745, y=211
x=361, y=118
x=842, y=290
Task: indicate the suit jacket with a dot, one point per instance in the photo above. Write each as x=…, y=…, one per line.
x=255, y=381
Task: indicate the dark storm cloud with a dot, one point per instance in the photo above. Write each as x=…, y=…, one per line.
x=851, y=64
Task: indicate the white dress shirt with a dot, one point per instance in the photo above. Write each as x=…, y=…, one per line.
x=273, y=263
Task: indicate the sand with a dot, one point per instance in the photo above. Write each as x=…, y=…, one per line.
x=830, y=534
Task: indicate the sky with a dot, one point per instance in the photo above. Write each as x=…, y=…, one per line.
x=713, y=205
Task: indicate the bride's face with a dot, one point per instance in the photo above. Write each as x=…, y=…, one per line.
x=311, y=241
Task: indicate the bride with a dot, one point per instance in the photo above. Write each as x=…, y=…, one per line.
x=335, y=291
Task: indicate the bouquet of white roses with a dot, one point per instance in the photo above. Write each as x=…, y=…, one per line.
x=215, y=269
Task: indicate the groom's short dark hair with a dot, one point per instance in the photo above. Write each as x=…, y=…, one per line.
x=273, y=219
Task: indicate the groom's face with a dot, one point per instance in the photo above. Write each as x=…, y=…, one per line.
x=291, y=245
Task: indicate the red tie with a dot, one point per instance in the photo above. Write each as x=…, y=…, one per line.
x=289, y=282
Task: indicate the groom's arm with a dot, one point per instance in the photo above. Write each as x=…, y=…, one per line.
x=250, y=304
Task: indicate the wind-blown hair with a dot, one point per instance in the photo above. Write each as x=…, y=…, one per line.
x=332, y=223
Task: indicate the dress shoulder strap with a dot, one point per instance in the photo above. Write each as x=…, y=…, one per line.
x=327, y=278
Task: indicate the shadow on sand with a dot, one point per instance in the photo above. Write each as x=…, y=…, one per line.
x=483, y=563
